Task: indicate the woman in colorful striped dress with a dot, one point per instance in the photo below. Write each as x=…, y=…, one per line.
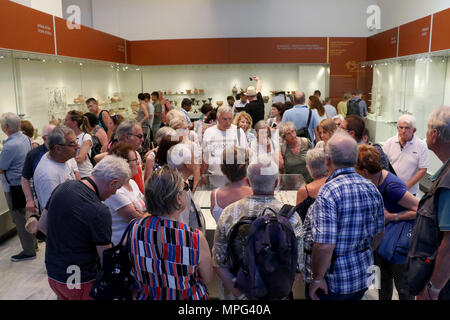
x=170, y=260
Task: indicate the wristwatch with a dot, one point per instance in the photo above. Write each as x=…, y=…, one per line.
x=432, y=288
x=396, y=217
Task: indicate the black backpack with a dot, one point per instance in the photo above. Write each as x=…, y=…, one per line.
x=263, y=252
x=353, y=107
x=304, y=132
x=96, y=147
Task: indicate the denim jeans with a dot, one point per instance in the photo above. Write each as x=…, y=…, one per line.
x=334, y=296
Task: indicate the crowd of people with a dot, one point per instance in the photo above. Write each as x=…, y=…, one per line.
x=99, y=175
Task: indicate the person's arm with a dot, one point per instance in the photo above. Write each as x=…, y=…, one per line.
x=258, y=84
x=149, y=164
x=441, y=271
x=144, y=108
x=129, y=212
x=321, y=260
x=212, y=201
x=205, y=265
x=416, y=178
x=197, y=176
x=410, y=203
x=227, y=280
x=100, y=157
x=26, y=187
x=301, y=195
x=108, y=123
x=100, y=250
x=85, y=147
x=103, y=138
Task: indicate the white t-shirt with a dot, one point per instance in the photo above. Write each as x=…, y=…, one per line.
x=151, y=111
x=85, y=167
x=122, y=198
x=215, y=141
x=48, y=175
x=407, y=162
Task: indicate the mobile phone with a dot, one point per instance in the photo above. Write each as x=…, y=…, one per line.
x=251, y=79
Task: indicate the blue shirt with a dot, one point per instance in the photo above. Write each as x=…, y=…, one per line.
x=186, y=117
x=12, y=158
x=392, y=189
x=348, y=212
x=330, y=111
x=299, y=116
x=362, y=107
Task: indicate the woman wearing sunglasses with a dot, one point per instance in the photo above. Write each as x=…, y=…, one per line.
x=128, y=203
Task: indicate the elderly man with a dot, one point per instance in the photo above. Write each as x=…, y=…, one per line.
x=300, y=114
x=429, y=251
x=55, y=167
x=79, y=228
x=262, y=176
x=408, y=154
x=217, y=138
x=181, y=157
x=255, y=107
x=344, y=221
x=12, y=158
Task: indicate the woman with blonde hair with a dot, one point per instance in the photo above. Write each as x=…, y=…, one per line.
x=326, y=129
x=244, y=121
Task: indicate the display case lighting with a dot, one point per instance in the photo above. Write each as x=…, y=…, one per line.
x=1, y=57
x=81, y=63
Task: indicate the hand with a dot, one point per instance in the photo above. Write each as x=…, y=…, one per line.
x=30, y=206
x=388, y=217
x=427, y=294
x=32, y=225
x=256, y=78
x=315, y=286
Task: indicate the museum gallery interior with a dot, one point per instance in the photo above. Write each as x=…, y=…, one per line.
x=55, y=54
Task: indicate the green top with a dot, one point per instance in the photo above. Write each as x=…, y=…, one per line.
x=296, y=163
x=157, y=120
x=444, y=204
x=342, y=108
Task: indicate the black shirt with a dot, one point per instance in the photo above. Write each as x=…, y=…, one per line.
x=32, y=160
x=256, y=109
x=77, y=222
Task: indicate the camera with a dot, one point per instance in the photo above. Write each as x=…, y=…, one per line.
x=251, y=78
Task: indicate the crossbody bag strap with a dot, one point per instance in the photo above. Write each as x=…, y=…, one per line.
x=93, y=185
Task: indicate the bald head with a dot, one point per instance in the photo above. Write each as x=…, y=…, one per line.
x=46, y=131
x=342, y=150
x=299, y=98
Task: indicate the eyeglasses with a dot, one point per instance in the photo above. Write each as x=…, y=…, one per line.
x=139, y=136
x=186, y=187
x=72, y=145
x=132, y=160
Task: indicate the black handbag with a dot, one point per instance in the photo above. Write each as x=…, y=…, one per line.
x=115, y=281
x=17, y=196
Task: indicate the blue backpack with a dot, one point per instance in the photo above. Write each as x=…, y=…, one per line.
x=263, y=252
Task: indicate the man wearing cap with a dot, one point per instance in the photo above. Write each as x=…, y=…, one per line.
x=255, y=107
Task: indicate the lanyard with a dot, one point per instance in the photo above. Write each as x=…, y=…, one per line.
x=93, y=184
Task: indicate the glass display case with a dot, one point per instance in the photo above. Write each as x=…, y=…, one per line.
x=413, y=85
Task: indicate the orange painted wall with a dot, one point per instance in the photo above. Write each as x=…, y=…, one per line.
x=88, y=43
x=382, y=45
x=440, y=39
x=25, y=29
x=227, y=50
x=415, y=37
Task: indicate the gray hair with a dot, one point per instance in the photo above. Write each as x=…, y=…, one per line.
x=126, y=127
x=164, y=131
x=262, y=174
x=342, y=149
x=223, y=109
x=58, y=136
x=315, y=160
x=440, y=119
x=259, y=125
x=286, y=126
x=162, y=189
x=47, y=129
x=110, y=168
x=409, y=119
x=178, y=155
x=11, y=120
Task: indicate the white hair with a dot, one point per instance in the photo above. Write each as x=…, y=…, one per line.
x=285, y=127
x=111, y=168
x=58, y=136
x=164, y=131
x=223, y=109
x=409, y=119
x=47, y=129
x=178, y=155
x=262, y=174
x=440, y=119
x=315, y=160
x=11, y=120
x=338, y=116
x=342, y=149
x=126, y=127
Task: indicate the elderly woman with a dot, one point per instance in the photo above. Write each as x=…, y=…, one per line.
x=79, y=123
x=183, y=275
x=399, y=205
x=244, y=121
x=128, y=202
x=237, y=187
x=293, y=152
x=306, y=195
x=326, y=129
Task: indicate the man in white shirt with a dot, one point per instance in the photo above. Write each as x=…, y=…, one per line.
x=241, y=103
x=217, y=138
x=408, y=154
